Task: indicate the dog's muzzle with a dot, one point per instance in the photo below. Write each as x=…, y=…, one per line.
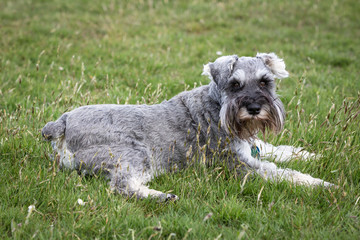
x=245, y=117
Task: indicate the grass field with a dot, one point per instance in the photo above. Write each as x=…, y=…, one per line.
x=61, y=54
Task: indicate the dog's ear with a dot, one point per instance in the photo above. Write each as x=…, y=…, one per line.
x=219, y=69
x=274, y=63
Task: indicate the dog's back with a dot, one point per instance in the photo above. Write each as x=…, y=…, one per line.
x=101, y=133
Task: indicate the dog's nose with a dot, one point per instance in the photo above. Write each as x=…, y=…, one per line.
x=253, y=108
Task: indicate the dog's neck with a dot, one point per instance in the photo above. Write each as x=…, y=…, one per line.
x=214, y=93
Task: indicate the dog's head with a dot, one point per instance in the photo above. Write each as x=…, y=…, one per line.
x=245, y=88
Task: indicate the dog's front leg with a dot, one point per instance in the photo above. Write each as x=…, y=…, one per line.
x=270, y=171
x=282, y=153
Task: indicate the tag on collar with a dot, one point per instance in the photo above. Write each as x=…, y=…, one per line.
x=255, y=151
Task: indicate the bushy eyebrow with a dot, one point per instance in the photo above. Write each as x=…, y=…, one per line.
x=263, y=73
x=239, y=75
x=267, y=77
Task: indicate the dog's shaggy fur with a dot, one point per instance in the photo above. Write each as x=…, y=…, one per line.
x=131, y=144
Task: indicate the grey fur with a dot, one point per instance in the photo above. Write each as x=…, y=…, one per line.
x=130, y=144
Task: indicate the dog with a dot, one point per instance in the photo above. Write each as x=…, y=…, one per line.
x=132, y=144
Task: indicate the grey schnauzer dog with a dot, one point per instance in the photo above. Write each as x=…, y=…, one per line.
x=131, y=144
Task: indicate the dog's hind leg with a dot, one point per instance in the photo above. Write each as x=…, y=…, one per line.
x=128, y=166
x=136, y=186
x=282, y=153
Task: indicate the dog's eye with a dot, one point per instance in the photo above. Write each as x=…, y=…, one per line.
x=236, y=86
x=263, y=83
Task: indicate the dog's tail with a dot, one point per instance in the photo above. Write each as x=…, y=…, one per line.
x=53, y=130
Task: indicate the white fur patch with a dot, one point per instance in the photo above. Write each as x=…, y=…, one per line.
x=207, y=71
x=243, y=148
x=275, y=64
x=67, y=159
x=283, y=153
x=142, y=190
x=281, y=116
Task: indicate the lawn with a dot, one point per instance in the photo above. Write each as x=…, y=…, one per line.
x=61, y=54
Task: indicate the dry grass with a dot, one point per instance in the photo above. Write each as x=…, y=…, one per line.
x=58, y=55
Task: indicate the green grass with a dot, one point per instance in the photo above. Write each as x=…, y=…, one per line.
x=58, y=55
